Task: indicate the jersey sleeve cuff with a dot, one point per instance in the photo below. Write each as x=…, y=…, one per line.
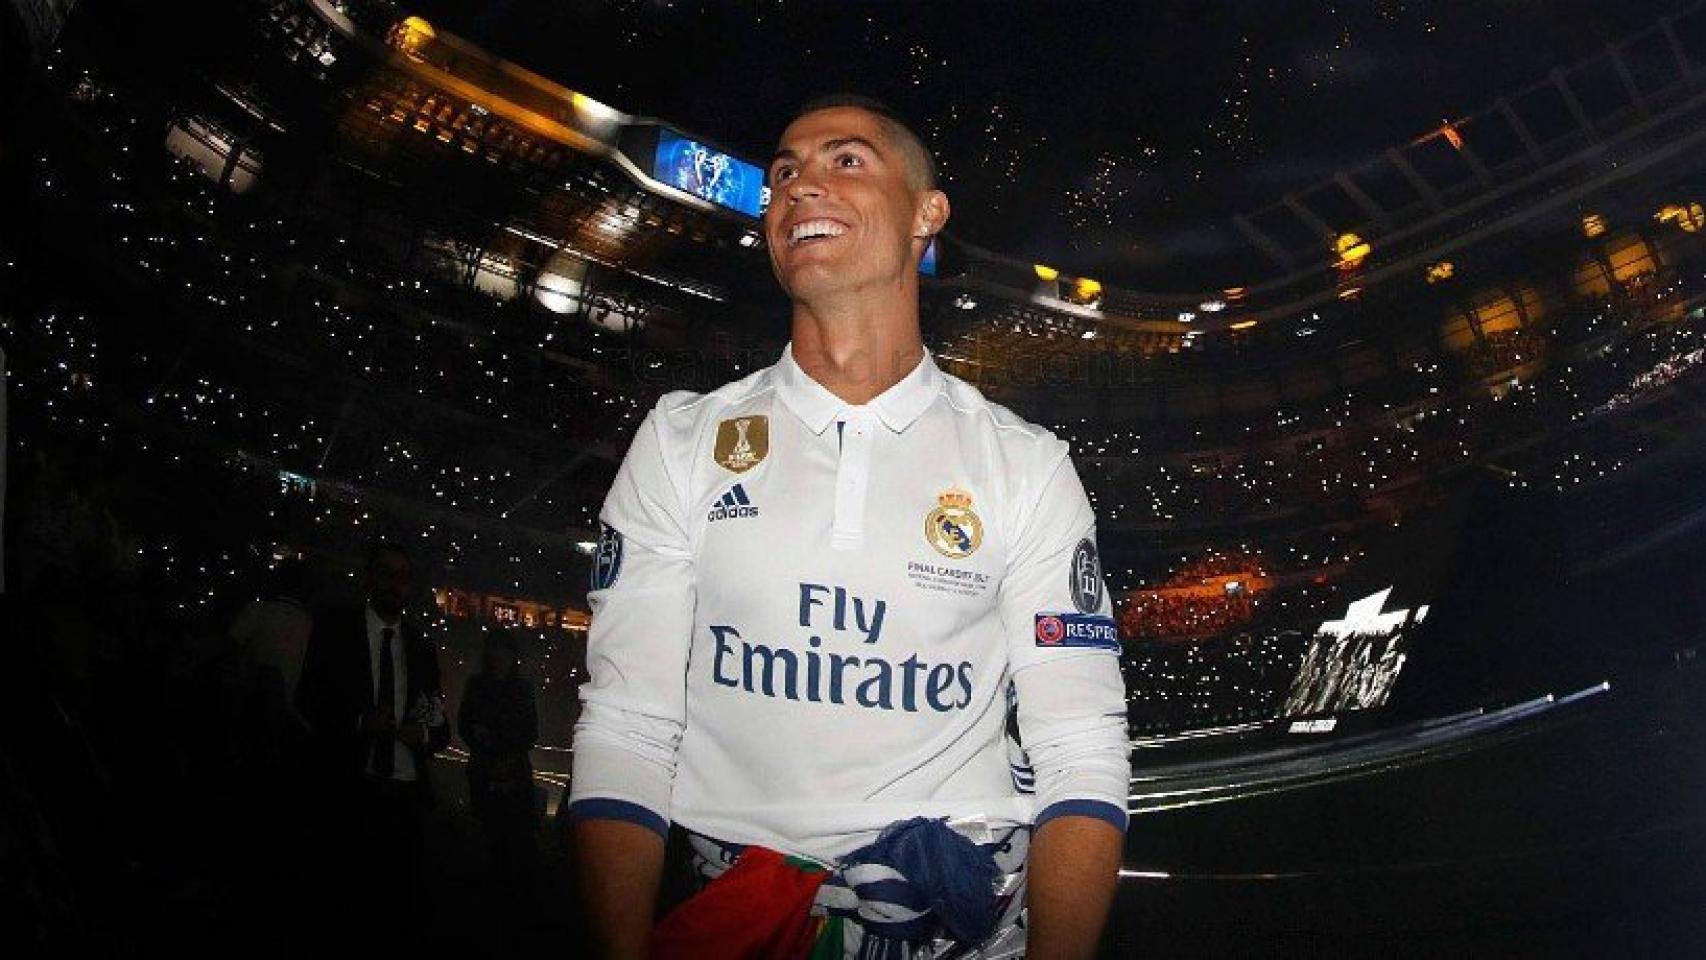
x=605, y=808
x=1098, y=809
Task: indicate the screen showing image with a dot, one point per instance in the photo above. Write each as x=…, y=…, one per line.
x=1353, y=662
x=927, y=266
x=709, y=174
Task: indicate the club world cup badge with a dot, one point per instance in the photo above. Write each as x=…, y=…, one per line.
x=952, y=528
x=742, y=443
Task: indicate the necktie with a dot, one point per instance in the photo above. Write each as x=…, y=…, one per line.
x=384, y=757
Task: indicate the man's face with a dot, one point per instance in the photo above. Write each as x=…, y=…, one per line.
x=843, y=214
x=388, y=582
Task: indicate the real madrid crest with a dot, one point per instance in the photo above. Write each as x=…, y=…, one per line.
x=742, y=442
x=952, y=528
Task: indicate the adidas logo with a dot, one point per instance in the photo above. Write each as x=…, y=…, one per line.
x=734, y=503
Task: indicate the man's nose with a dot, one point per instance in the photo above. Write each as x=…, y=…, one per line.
x=803, y=186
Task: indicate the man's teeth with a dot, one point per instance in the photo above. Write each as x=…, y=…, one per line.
x=812, y=229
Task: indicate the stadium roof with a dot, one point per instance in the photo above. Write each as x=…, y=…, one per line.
x=1115, y=140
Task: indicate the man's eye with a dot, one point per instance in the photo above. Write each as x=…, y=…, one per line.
x=782, y=173
x=848, y=160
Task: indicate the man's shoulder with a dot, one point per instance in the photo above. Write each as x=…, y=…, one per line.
x=681, y=414
x=1010, y=432
x=340, y=615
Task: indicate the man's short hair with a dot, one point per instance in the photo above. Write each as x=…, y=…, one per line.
x=918, y=159
x=292, y=579
x=501, y=641
x=381, y=548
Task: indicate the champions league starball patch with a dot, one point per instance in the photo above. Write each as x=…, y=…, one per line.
x=1086, y=577
x=607, y=562
x=742, y=443
x=952, y=528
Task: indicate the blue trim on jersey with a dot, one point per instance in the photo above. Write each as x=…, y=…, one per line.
x=604, y=808
x=1099, y=809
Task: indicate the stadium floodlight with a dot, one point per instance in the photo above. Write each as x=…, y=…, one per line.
x=558, y=287
x=1352, y=251
x=1212, y=306
x=410, y=36
x=1045, y=273
x=1690, y=218
x=1593, y=225
x=1443, y=270
x=1186, y=316
x=1242, y=325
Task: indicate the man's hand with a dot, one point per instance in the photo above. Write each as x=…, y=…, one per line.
x=376, y=721
x=413, y=735
x=619, y=866
x=1074, y=867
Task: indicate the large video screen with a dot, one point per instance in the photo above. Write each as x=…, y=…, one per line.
x=928, y=265
x=709, y=174
x=1353, y=662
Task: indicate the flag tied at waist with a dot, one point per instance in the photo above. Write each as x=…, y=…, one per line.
x=917, y=881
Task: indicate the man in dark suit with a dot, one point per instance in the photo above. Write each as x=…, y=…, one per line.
x=371, y=696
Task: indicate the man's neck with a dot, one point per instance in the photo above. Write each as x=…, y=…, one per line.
x=857, y=350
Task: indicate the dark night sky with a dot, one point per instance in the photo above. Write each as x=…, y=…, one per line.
x=1113, y=139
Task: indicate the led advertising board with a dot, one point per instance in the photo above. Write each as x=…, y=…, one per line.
x=709, y=174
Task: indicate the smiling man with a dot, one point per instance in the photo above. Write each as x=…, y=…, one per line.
x=849, y=626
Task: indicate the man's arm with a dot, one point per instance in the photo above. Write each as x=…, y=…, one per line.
x=434, y=730
x=1074, y=867
x=618, y=867
x=634, y=703
x=313, y=698
x=1063, y=652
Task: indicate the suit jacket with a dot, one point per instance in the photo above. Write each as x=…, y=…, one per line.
x=336, y=691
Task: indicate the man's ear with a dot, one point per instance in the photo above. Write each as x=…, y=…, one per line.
x=932, y=215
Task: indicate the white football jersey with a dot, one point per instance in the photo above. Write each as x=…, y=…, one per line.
x=813, y=618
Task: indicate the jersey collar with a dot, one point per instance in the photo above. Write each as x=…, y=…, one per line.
x=897, y=407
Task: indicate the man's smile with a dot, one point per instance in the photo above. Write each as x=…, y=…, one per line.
x=815, y=231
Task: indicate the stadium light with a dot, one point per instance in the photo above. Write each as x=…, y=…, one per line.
x=1593, y=225
x=1046, y=273
x=1352, y=251
x=1242, y=325
x=1212, y=306
x=1689, y=218
x=410, y=35
x=1443, y=270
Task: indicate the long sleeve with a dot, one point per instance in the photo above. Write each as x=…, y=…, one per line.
x=1064, y=650
x=438, y=724
x=315, y=697
x=642, y=598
